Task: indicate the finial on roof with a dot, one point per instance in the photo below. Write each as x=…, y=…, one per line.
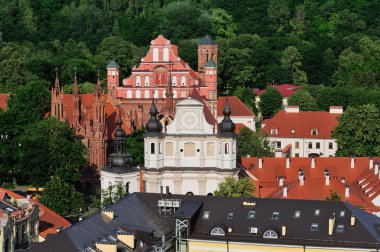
x=153, y=125
x=227, y=125
x=56, y=84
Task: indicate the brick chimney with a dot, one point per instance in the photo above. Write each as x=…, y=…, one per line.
x=376, y=167
x=347, y=191
x=260, y=163
x=352, y=162
x=287, y=163
x=370, y=163
x=301, y=177
x=336, y=109
x=313, y=163
x=285, y=191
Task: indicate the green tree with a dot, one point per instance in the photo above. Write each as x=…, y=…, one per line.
x=85, y=88
x=232, y=187
x=222, y=24
x=334, y=196
x=253, y=143
x=135, y=145
x=304, y=100
x=270, y=102
x=278, y=13
x=357, y=133
x=245, y=94
x=113, y=194
x=50, y=148
x=292, y=61
x=62, y=197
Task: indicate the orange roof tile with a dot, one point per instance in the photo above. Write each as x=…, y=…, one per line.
x=302, y=123
x=238, y=108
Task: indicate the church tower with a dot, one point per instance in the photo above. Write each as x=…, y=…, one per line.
x=207, y=50
x=57, y=110
x=113, y=78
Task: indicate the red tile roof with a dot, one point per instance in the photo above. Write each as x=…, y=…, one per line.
x=238, y=108
x=364, y=184
x=286, y=90
x=49, y=220
x=3, y=101
x=302, y=123
x=238, y=127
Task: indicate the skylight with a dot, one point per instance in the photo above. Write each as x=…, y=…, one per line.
x=206, y=215
x=275, y=215
x=314, y=227
x=297, y=214
x=341, y=213
x=251, y=214
x=316, y=212
x=230, y=215
x=339, y=228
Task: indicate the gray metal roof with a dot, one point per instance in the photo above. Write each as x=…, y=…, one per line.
x=113, y=64
x=207, y=41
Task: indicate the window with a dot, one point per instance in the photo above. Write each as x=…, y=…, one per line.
x=166, y=54
x=310, y=145
x=253, y=230
x=138, y=81
x=146, y=81
x=183, y=94
x=230, y=216
x=273, y=131
x=155, y=54
x=146, y=94
x=152, y=148
x=206, y=215
x=297, y=155
x=316, y=212
x=297, y=214
x=174, y=93
x=218, y=231
x=183, y=81
x=275, y=215
x=297, y=145
x=174, y=81
x=210, y=149
x=270, y=234
x=293, y=131
x=318, y=145
x=330, y=145
x=314, y=227
x=138, y=94
x=169, y=149
x=251, y=214
x=278, y=144
x=339, y=228
x=341, y=213
x=189, y=149
x=164, y=94
x=314, y=132
x=226, y=148
x=129, y=94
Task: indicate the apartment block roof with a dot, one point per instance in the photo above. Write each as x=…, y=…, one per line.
x=224, y=218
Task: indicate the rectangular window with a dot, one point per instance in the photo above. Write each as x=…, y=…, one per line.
x=297, y=145
x=297, y=214
x=297, y=155
x=206, y=215
x=275, y=215
x=314, y=227
x=340, y=228
x=152, y=148
x=293, y=131
x=341, y=213
x=310, y=145
x=273, y=131
x=278, y=144
x=314, y=132
x=316, y=212
x=318, y=145
x=330, y=145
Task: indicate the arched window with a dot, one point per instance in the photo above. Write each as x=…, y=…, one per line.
x=127, y=187
x=189, y=149
x=174, y=81
x=156, y=94
x=210, y=194
x=189, y=193
x=270, y=234
x=129, y=94
x=174, y=93
x=226, y=148
x=218, y=231
x=155, y=54
x=152, y=148
x=183, y=81
x=183, y=94
x=138, y=81
x=138, y=94
x=146, y=81
x=146, y=94
x=166, y=54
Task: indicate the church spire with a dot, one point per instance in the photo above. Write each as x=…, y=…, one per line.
x=98, y=85
x=153, y=125
x=56, y=84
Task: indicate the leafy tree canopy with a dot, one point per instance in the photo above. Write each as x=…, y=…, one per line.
x=232, y=187
x=135, y=145
x=253, y=144
x=270, y=102
x=304, y=100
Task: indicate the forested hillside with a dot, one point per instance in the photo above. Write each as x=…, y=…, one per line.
x=334, y=42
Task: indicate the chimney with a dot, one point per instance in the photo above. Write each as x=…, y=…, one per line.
x=287, y=163
x=343, y=180
x=260, y=163
x=370, y=163
x=347, y=191
x=336, y=109
x=167, y=191
x=292, y=109
x=302, y=179
x=283, y=230
x=376, y=167
x=229, y=230
x=248, y=156
x=327, y=180
x=285, y=191
x=313, y=163
x=352, y=162
x=353, y=219
x=281, y=181
x=331, y=224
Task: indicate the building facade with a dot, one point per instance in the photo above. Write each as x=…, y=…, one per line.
x=296, y=133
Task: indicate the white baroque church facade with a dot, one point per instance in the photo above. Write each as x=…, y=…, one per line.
x=191, y=157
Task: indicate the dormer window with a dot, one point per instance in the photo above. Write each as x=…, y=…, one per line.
x=206, y=215
x=270, y=234
x=314, y=227
x=341, y=213
x=230, y=216
x=316, y=212
x=293, y=131
x=274, y=131
x=339, y=228
x=314, y=132
x=275, y=215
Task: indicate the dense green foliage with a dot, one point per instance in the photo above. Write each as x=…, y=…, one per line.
x=358, y=132
x=334, y=196
x=270, y=102
x=304, y=100
x=113, y=194
x=253, y=143
x=232, y=187
x=317, y=42
x=62, y=198
x=135, y=146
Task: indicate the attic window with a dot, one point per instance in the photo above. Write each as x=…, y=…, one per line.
x=230, y=216
x=339, y=228
x=314, y=132
x=206, y=215
x=253, y=230
x=293, y=131
x=251, y=214
x=274, y=131
x=218, y=231
x=270, y=234
x=316, y=212
x=341, y=213
x=275, y=215
x=297, y=214
x=314, y=227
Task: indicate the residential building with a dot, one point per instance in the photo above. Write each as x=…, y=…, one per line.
x=296, y=133
x=355, y=179
x=286, y=90
x=19, y=221
x=166, y=222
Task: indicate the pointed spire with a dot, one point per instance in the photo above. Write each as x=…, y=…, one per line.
x=227, y=125
x=120, y=134
x=227, y=109
x=98, y=85
x=75, y=82
x=153, y=125
x=56, y=84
